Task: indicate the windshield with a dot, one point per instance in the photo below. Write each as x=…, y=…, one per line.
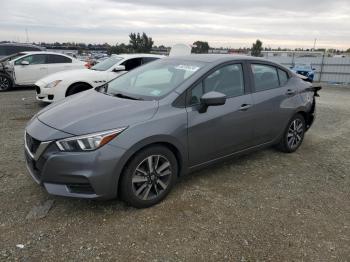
x=302, y=67
x=11, y=57
x=107, y=64
x=153, y=80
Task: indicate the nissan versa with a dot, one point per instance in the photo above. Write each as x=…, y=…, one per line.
x=134, y=136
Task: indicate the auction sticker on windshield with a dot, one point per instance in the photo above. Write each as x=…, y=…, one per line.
x=187, y=68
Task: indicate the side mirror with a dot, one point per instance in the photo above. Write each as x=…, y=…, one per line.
x=313, y=69
x=212, y=99
x=119, y=68
x=24, y=63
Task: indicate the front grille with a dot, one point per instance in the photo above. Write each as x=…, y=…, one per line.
x=37, y=89
x=81, y=188
x=302, y=73
x=32, y=165
x=32, y=143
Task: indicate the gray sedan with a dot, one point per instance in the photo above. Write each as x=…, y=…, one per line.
x=134, y=136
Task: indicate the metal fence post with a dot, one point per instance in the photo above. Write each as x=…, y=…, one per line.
x=322, y=64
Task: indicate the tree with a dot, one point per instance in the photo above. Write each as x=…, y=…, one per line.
x=119, y=49
x=257, y=48
x=140, y=43
x=200, y=47
x=348, y=51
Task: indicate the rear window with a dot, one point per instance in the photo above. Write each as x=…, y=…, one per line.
x=146, y=60
x=58, y=59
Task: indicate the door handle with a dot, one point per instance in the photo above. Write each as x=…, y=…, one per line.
x=245, y=107
x=290, y=92
x=42, y=68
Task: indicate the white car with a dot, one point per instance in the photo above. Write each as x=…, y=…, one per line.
x=25, y=68
x=60, y=85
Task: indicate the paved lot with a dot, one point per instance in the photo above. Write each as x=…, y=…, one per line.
x=264, y=206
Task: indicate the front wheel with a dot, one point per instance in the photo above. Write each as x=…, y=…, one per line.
x=5, y=83
x=293, y=135
x=149, y=177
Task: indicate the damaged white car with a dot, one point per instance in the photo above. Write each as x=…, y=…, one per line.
x=25, y=68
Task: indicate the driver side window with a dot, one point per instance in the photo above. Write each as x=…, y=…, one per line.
x=32, y=60
x=227, y=79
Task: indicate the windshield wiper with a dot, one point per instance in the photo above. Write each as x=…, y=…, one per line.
x=126, y=96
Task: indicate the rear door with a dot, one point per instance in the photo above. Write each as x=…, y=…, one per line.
x=274, y=99
x=58, y=63
x=225, y=129
x=29, y=74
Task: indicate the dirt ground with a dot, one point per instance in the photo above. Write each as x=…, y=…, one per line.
x=266, y=206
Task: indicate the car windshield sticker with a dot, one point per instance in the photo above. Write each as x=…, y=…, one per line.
x=187, y=68
x=156, y=92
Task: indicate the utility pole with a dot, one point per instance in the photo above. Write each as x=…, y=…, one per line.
x=27, y=38
x=315, y=44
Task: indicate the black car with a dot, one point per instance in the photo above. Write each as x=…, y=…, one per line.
x=7, y=49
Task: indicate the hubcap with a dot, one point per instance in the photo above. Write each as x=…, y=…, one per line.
x=295, y=133
x=151, y=177
x=4, y=83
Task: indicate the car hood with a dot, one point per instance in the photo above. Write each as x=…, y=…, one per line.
x=77, y=74
x=92, y=111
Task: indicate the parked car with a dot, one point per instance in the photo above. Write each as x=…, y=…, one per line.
x=58, y=86
x=305, y=70
x=25, y=68
x=7, y=49
x=134, y=136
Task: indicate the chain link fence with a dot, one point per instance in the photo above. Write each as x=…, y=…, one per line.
x=334, y=70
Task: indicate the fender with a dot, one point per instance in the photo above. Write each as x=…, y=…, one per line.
x=181, y=154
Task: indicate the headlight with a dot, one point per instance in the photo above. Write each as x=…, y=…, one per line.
x=88, y=142
x=53, y=84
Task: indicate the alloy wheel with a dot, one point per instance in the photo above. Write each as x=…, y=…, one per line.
x=295, y=133
x=151, y=177
x=4, y=83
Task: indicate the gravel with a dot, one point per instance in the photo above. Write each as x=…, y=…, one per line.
x=263, y=206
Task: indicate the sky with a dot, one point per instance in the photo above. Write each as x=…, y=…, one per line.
x=223, y=23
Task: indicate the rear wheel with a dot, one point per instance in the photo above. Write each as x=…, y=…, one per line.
x=293, y=135
x=5, y=83
x=77, y=88
x=149, y=177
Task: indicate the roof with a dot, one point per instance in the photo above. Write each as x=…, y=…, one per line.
x=19, y=44
x=42, y=52
x=209, y=58
x=137, y=55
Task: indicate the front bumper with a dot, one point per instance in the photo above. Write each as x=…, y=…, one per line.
x=93, y=174
x=44, y=94
x=47, y=95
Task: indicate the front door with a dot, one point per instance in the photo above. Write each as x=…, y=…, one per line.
x=221, y=130
x=35, y=69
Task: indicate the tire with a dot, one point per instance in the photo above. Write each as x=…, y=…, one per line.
x=5, y=83
x=140, y=187
x=293, y=136
x=77, y=88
